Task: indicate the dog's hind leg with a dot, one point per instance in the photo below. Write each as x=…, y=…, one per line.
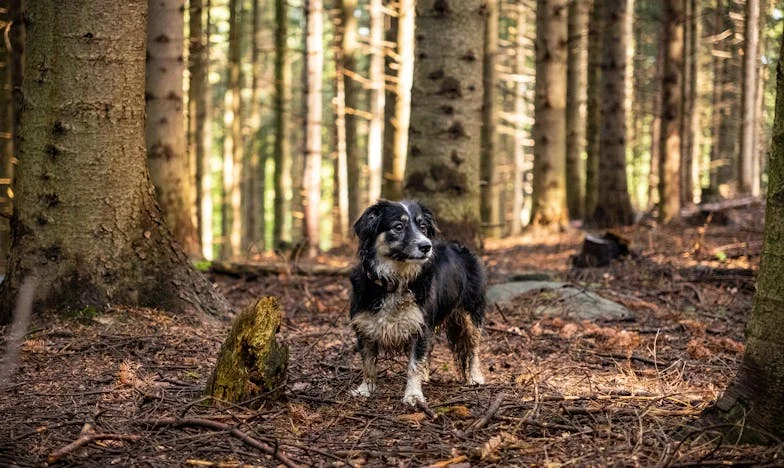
x=464, y=337
x=369, y=352
x=417, y=370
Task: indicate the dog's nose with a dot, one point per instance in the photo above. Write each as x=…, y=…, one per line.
x=425, y=248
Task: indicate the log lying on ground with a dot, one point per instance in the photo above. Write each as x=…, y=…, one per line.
x=252, y=365
x=277, y=268
x=720, y=212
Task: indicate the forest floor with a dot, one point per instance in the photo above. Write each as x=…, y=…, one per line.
x=559, y=392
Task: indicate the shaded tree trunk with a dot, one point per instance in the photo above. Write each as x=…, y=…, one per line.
x=695, y=133
x=746, y=184
x=653, y=174
x=199, y=123
x=231, y=206
x=253, y=193
x=80, y=159
x=575, y=105
x=521, y=53
x=398, y=102
x=446, y=115
x=165, y=128
x=281, y=104
x=593, y=109
x=341, y=225
x=376, y=98
x=549, y=196
x=491, y=188
x=6, y=140
x=314, y=64
x=614, y=205
x=687, y=106
x=670, y=138
x=348, y=53
x=754, y=401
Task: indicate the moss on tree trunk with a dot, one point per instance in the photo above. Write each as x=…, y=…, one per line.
x=252, y=365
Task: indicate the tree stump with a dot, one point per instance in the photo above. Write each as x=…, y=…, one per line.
x=251, y=365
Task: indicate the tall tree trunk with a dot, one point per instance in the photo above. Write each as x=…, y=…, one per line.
x=6, y=140
x=687, y=106
x=653, y=174
x=613, y=206
x=695, y=133
x=549, y=197
x=231, y=206
x=252, y=197
x=719, y=26
x=446, y=115
x=670, y=139
x=575, y=105
x=518, y=175
x=165, y=125
x=398, y=103
x=593, y=109
x=282, y=103
x=79, y=160
x=491, y=188
x=748, y=100
x=376, y=98
x=314, y=64
x=755, y=398
x=199, y=123
x=349, y=55
x=341, y=225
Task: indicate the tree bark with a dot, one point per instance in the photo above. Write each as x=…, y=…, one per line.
x=349, y=54
x=746, y=159
x=253, y=194
x=231, y=205
x=653, y=173
x=670, y=138
x=593, y=109
x=165, y=126
x=85, y=222
x=754, y=401
x=341, y=225
x=398, y=103
x=446, y=115
x=613, y=207
x=521, y=54
x=199, y=123
x=575, y=105
x=314, y=64
x=376, y=100
x=6, y=141
x=491, y=188
x=549, y=196
x=687, y=107
x=281, y=103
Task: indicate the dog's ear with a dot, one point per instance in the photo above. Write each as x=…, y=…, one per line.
x=367, y=224
x=430, y=220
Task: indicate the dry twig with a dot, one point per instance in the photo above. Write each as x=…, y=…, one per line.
x=84, y=440
x=491, y=410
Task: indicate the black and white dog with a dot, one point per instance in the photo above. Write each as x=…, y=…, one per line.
x=406, y=284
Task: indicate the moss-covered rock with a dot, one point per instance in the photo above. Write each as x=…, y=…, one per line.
x=252, y=365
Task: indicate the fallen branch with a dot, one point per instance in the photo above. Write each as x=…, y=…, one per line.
x=218, y=426
x=482, y=422
x=426, y=409
x=84, y=440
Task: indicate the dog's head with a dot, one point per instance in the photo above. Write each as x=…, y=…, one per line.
x=396, y=236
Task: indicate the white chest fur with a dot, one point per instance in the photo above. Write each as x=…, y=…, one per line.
x=393, y=326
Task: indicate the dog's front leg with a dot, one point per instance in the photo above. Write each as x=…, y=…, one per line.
x=417, y=371
x=369, y=352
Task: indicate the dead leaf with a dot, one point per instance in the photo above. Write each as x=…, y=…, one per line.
x=451, y=461
x=569, y=330
x=697, y=350
x=458, y=411
x=414, y=418
x=496, y=443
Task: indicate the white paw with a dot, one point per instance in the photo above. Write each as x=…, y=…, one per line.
x=364, y=390
x=475, y=377
x=413, y=398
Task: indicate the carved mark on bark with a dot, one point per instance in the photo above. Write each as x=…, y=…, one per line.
x=450, y=87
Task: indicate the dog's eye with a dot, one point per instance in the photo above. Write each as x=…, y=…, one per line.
x=398, y=227
x=423, y=226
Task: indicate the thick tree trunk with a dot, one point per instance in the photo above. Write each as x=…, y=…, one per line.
x=165, y=126
x=349, y=48
x=670, y=138
x=83, y=139
x=575, y=105
x=314, y=64
x=593, y=109
x=755, y=399
x=398, y=103
x=613, y=206
x=746, y=158
x=281, y=104
x=199, y=123
x=549, y=197
x=446, y=115
x=376, y=99
x=491, y=188
x=518, y=174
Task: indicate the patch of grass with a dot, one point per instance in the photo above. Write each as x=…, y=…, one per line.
x=202, y=265
x=85, y=315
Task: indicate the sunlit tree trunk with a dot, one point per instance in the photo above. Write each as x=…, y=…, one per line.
x=491, y=188
x=695, y=133
x=165, y=122
x=746, y=184
x=281, y=104
x=613, y=206
x=593, y=109
x=199, y=123
x=398, y=102
x=79, y=160
x=549, y=197
x=314, y=64
x=446, y=115
x=231, y=206
x=575, y=105
x=653, y=173
x=754, y=401
x=376, y=97
x=518, y=174
x=341, y=225
x=349, y=50
x=670, y=139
